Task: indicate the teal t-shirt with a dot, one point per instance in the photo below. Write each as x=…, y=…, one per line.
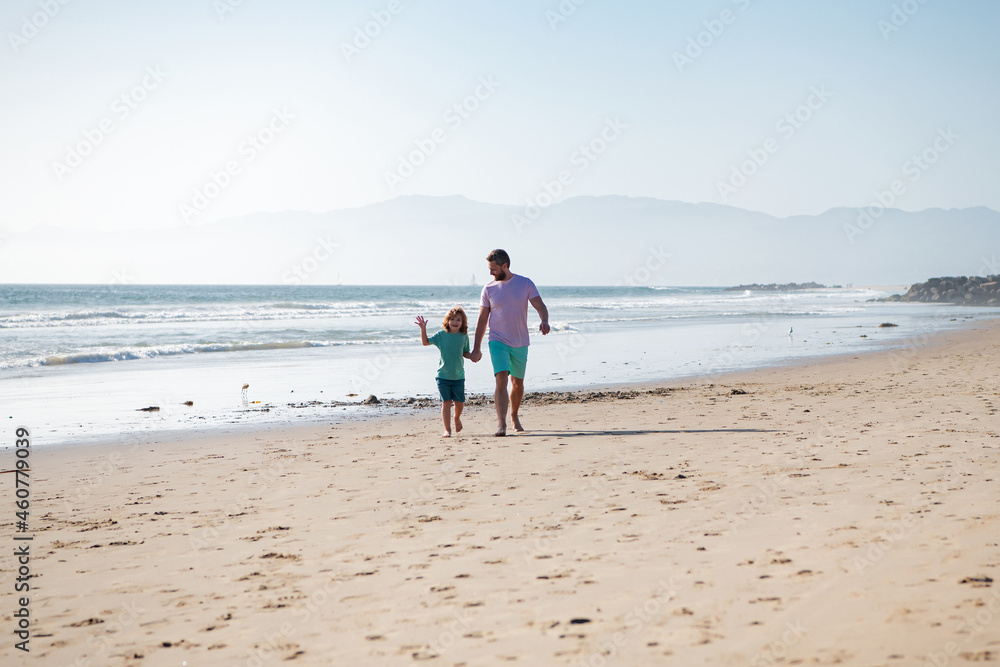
x=452, y=365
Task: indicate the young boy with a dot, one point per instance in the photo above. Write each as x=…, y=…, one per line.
x=453, y=343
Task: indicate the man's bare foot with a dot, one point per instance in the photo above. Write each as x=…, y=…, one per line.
x=501, y=431
x=458, y=425
x=517, y=423
x=446, y=434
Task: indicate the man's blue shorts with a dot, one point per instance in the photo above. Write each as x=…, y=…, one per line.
x=506, y=358
x=452, y=390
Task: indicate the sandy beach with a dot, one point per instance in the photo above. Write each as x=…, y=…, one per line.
x=842, y=511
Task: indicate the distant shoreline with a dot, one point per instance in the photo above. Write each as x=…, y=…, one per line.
x=776, y=287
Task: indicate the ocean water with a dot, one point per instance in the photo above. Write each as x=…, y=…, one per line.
x=77, y=362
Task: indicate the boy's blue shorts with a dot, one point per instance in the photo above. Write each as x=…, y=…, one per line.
x=514, y=360
x=452, y=390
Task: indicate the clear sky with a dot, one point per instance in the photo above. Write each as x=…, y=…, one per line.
x=125, y=114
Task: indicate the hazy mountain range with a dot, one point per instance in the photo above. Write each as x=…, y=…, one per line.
x=580, y=241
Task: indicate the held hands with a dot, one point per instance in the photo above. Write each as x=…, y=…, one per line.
x=475, y=356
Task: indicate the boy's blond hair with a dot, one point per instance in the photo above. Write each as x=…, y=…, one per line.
x=457, y=310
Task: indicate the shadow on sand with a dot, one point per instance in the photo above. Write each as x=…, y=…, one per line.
x=569, y=433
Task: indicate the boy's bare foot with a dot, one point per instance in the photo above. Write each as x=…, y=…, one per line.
x=458, y=425
x=517, y=423
x=446, y=434
x=501, y=431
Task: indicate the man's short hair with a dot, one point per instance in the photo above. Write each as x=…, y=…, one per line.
x=499, y=256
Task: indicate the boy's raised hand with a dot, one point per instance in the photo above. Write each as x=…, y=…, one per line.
x=422, y=323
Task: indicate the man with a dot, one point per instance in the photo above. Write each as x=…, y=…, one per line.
x=504, y=306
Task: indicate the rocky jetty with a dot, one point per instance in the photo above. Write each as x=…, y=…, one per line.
x=974, y=291
x=774, y=287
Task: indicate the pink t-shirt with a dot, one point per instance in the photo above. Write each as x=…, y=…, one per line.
x=508, y=304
